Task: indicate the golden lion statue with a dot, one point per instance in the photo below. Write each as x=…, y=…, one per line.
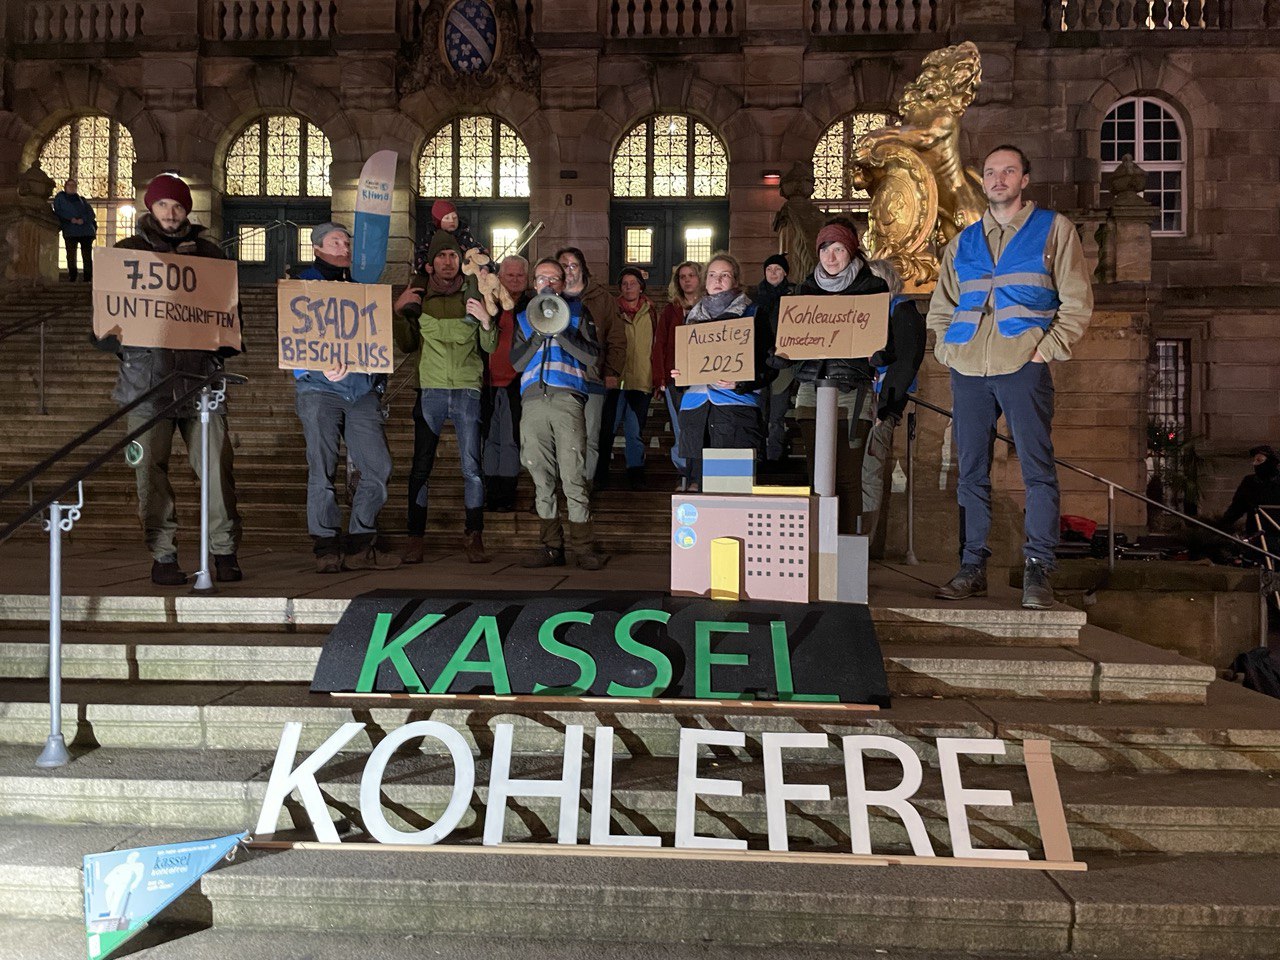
x=921, y=193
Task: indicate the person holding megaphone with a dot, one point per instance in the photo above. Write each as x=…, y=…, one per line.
x=556, y=354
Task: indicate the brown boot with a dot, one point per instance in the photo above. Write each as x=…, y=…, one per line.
x=370, y=558
x=583, y=538
x=412, y=550
x=550, y=551
x=473, y=547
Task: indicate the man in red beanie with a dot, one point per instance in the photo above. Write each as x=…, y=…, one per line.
x=166, y=229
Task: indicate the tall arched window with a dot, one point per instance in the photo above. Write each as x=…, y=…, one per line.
x=833, y=189
x=1150, y=132
x=279, y=156
x=97, y=152
x=670, y=156
x=474, y=157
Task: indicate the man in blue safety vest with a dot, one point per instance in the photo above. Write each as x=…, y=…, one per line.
x=1013, y=296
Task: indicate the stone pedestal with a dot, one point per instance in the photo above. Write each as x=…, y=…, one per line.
x=29, y=235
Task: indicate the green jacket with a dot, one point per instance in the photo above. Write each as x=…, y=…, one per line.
x=448, y=343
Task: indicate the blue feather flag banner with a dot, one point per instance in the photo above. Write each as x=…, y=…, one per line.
x=373, y=217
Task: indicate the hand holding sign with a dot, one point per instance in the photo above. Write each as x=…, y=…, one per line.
x=329, y=326
x=824, y=328
x=721, y=352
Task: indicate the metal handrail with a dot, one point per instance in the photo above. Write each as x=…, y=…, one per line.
x=40, y=320
x=36, y=507
x=1111, y=486
x=263, y=229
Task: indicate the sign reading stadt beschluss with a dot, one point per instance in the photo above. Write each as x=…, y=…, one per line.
x=323, y=323
x=617, y=645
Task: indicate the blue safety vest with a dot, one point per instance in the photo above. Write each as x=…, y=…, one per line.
x=698, y=394
x=551, y=364
x=1019, y=287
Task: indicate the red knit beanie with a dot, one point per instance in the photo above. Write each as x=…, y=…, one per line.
x=441, y=209
x=838, y=233
x=168, y=187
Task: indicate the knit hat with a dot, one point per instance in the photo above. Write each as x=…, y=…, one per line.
x=441, y=209
x=322, y=230
x=634, y=272
x=838, y=233
x=778, y=260
x=168, y=187
x=442, y=240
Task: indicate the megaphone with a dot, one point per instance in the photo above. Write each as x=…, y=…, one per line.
x=548, y=314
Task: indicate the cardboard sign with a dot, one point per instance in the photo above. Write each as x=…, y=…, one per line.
x=322, y=323
x=716, y=350
x=166, y=300
x=824, y=328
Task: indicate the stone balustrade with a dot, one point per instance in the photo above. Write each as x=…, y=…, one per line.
x=642, y=19
x=82, y=22
x=1101, y=15
x=846, y=17
x=273, y=20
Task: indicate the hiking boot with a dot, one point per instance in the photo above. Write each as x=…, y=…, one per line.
x=473, y=547
x=1037, y=591
x=969, y=581
x=370, y=558
x=226, y=569
x=412, y=550
x=167, y=573
x=586, y=553
x=544, y=556
x=329, y=563
x=591, y=558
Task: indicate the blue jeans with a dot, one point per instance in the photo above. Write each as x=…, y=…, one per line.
x=435, y=406
x=632, y=415
x=1025, y=397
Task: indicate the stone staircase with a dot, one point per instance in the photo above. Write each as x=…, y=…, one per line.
x=270, y=461
x=174, y=706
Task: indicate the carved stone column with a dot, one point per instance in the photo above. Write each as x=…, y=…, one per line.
x=1128, y=238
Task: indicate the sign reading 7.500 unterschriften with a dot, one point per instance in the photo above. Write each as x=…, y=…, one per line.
x=166, y=300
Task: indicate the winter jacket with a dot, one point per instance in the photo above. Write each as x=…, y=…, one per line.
x=448, y=342
x=354, y=385
x=142, y=368
x=559, y=364
x=851, y=372
x=499, y=372
x=610, y=334
x=664, y=343
x=641, y=329
x=70, y=207
x=900, y=359
x=745, y=392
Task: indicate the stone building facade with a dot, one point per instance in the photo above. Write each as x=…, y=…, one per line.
x=768, y=78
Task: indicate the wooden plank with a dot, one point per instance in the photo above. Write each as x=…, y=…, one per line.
x=672, y=853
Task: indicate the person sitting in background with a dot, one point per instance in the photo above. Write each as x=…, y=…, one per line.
x=896, y=365
x=726, y=414
x=683, y=292
x=337, y=405
x=601, y=311
x=627, y=408
x=449, y=333
x=782, y=391
x=554, y=375
x=500, y=403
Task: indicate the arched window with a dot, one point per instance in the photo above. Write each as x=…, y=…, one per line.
x=475, y=158
x=1150, y=132
x=670, y=156
x=97, y=152
x=279, y=156
x=832, y=187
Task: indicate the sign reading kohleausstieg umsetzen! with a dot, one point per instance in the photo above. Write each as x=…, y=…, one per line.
x=823, y=328
x=323, y=323
x=166, y=300
x=716, y=350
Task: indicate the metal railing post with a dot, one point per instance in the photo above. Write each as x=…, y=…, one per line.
x=61, y=520
x=209, y=398
x=911, y=488
x=1111, y=527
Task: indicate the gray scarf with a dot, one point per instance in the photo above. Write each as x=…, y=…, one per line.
x=731, y=303
x=841, y=280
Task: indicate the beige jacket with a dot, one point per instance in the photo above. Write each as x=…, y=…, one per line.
x=989, y=354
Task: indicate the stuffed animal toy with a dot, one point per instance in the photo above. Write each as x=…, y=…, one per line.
x=475, y=264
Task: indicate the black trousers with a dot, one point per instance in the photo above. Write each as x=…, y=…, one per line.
x=85, y=245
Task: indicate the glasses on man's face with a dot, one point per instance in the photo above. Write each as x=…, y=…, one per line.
x=570, y=266
x=720, y=276
x=541, y=282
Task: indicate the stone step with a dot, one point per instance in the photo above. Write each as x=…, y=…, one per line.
x=1149, y=675
x=1191, y=906
x=1236, y=729
x=222, y=792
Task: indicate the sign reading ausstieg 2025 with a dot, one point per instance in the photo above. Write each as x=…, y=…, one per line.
x=610, y=645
